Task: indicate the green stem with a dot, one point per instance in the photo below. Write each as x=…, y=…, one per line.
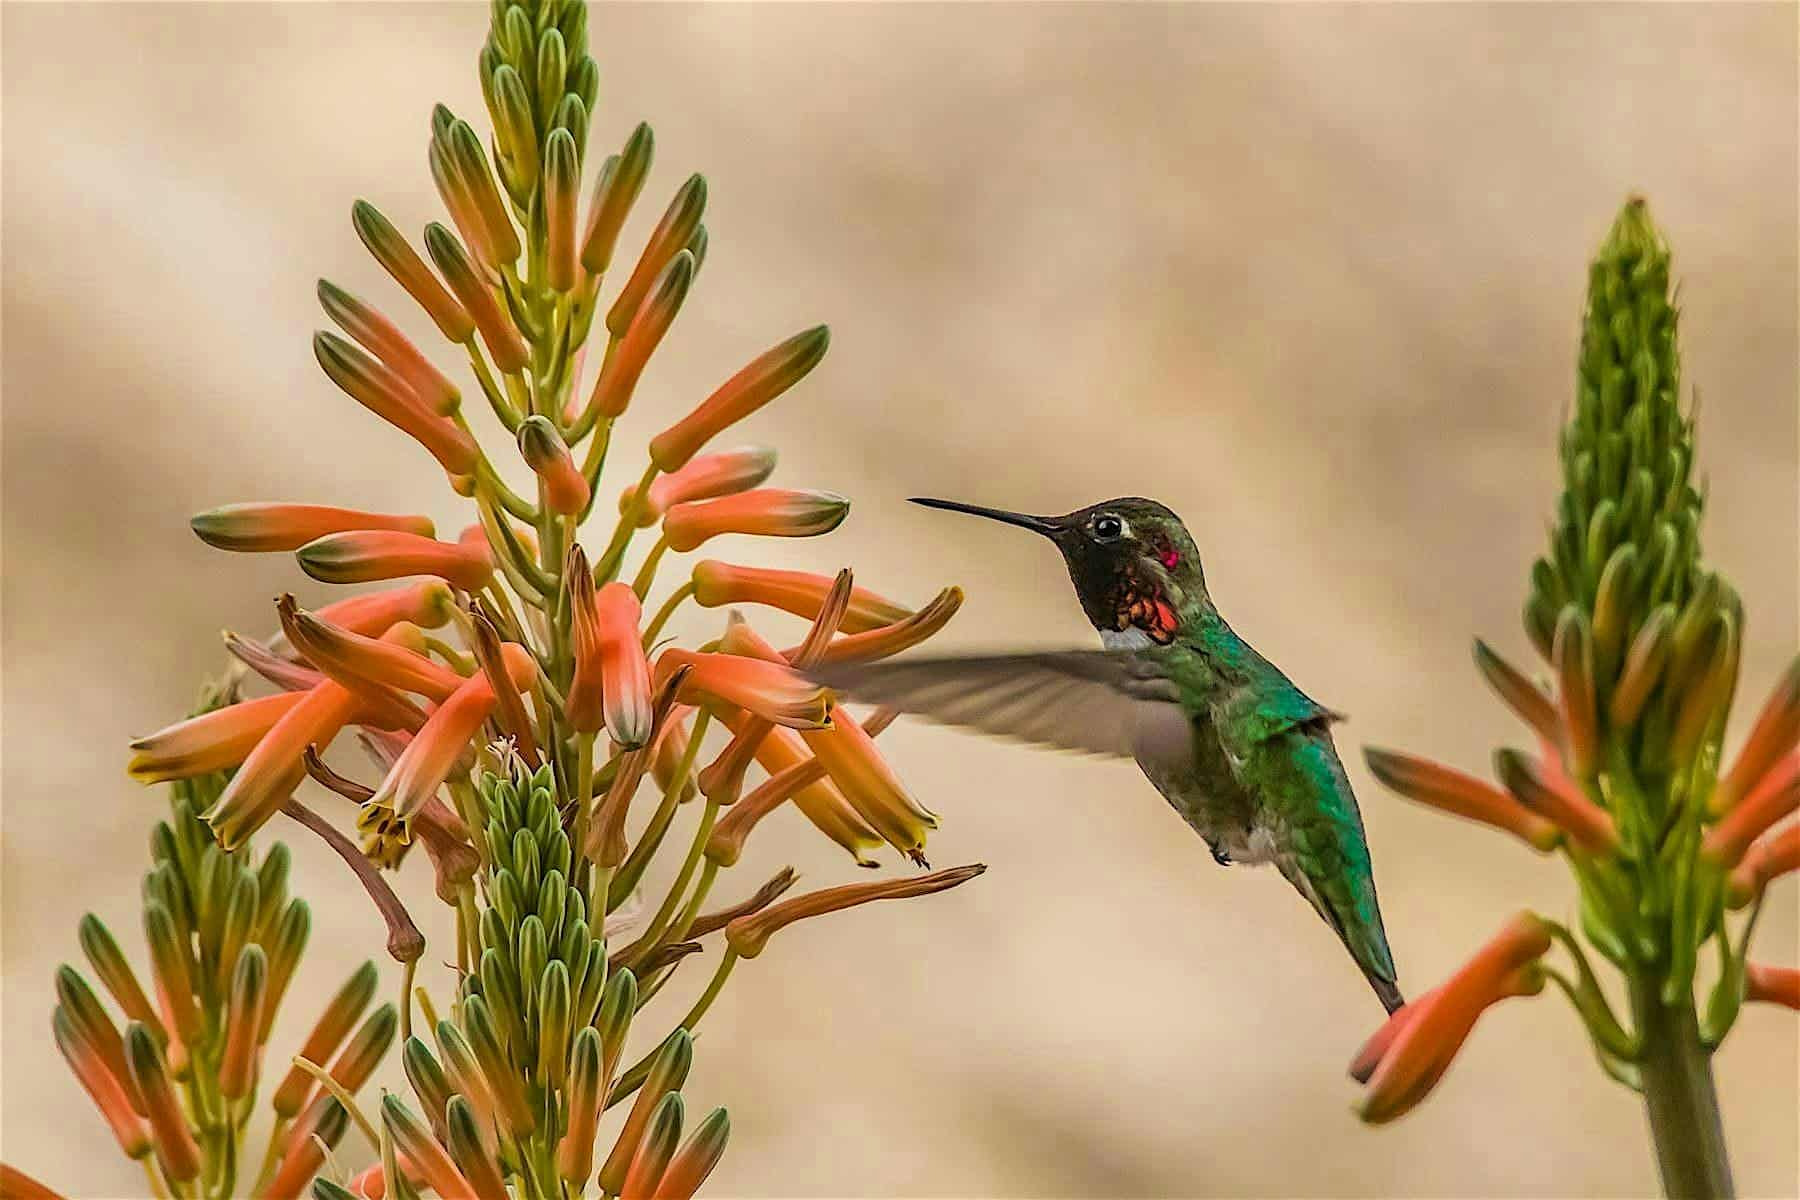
x=663, y=614
x=1678, y=1095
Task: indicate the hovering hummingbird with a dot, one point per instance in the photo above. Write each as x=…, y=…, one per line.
x=1242, y=754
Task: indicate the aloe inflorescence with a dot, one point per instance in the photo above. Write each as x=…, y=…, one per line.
x=1665, y=838
x=527, y=723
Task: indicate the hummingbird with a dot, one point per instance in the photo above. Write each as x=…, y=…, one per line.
x=1243, y=755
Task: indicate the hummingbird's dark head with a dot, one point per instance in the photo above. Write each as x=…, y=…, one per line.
x=1131, y=561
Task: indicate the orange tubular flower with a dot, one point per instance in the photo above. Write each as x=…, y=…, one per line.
x=748, y=935
x=174, y=1143
x=612, y=675
x=253, y=528
x=393, y=661
x=545, y=452
x=619, y=376
x=383, y=392
x=1772, y=985
x=804, y=782
x=1551, y=794
x=705, y=478
x=1524, y=697
x=671, y=747
x=284, y=673
x=863, y=775
x=413, y=1139
x=1769, y=857
x=409, y=270
x=273, y=769
x=1777, y=731
x=429, y=758
x=1774, y=797
x=1405, y=1060
x=765, y=512
x=371, y=555
x=209, y=742
x=17, y=1185
x=771, y=374
x=106, y=1089
x=890, y=640
x=764, y=689
x=427, y=605
x=821, y=802
x=718, y=583
x=1461, y=795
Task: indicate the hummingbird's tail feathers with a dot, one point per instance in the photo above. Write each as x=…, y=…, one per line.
x=1390, y=996
x=1089, y=701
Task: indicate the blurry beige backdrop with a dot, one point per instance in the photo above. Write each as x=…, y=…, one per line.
x=1311, y=275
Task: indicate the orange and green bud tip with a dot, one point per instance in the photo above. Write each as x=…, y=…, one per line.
x=382, y=338
x=651, y=1159
x=703, y=478
x=176, y=1151
x=620, y=374
x=668, y=239
x=545, y=452
x=401, y=261
x=562, y=180
x=765, y=378
x=719, y=584
x=103, y=1085
x=334, y=1025
x=368, y=556
x=621, y=179
x=497, y=330
x=259, y=528
x=1553, y=795
x=243, y=1023
x=765, y=512
x=764, y=689
x=212, y=741
x=389, y=396
x=695, y=1161
x=668, y=1071
x=413, y=1140
x=468, y=1144
x=109, y=963
x=1451, y=791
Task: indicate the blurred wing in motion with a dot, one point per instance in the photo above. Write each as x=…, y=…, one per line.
x=1088, y=701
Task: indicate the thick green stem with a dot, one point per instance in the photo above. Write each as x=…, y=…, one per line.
x=1679, y=1095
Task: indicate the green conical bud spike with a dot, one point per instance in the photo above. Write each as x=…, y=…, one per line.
x=500, y=991
x=584, y=81
x=285, y=946
x=618, y=1004
x=508, y=900
x=428, y=1081
x=575, y=907
x=272, y=887
x=621, y=179
x=517, y=44
x=573, y=26
x=494, y=934
x=571, y=115
x=554, y=1001
x=1572, y=655
x=668, y=1071
x=525, y=862
x=552, y=895
x=552, y=70
x=485, y=65
x=210, y=893
x=539, y=809
x=240, y=922
x=115, y=973
x=593, y=980
x=533, y=950
x=1702, y=706
x=470, y=1151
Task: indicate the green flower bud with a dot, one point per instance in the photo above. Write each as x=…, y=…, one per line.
x=554, y=1001
x=402, y=262
x=552, y=71
x=470, y=1150
x=115, y=973
x=429, y=1083
x=668, y=1071
x=666, y=241
x=285, y=947
x=243, y=1023
x=621, y=179
x=657, y=1147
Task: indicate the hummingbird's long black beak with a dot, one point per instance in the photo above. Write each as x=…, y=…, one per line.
x=1044, y=525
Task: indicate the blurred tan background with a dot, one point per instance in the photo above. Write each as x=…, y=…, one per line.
x=1311, y=275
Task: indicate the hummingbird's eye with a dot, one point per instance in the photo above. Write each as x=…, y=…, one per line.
x=1108, y=528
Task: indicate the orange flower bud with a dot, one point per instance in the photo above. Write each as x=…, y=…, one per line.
x=771, y=374
x=253, y=528
x=433, y=752
x=717, y=584
x=413, y=1140
x=393, y=661
x=803, y=781
x=545, y=452
x=624, y=669
x=1772, y=985
x=1424, y=1036
x=410, y=272
x=562, y=177
x=1774, y=797
x=284, y=673
x=304, y=1156
x=427, y=605
x=334, y=1025
x=696, y=1160
x=243, y=1023
x=212, y=741
x=654, y=1150
x=821, y=801
x=748, y=935
x=17, y=1185
x=706, y=477
x=668, y=239
x=497, y=330
x=1462, y=795
x=671, y=748
x=350, y=1070
x=766, y=512
x=649, y=323
x=367, y=556
x=105, y=1088
x=621, y=179
x=1552, y=794
x=380, y=337
x=1770, y=856
x=490, y=228
x=174, y=1143
x=1524, y=697
x=1776, y=732
x=1573, y=653
x=764, y=689
x=384, y=393
x=889, y=640
x=274, y=768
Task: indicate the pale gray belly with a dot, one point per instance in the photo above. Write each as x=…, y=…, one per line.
x=1226, y=823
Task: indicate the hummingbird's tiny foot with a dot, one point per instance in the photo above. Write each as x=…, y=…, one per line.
x=1220, y=855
